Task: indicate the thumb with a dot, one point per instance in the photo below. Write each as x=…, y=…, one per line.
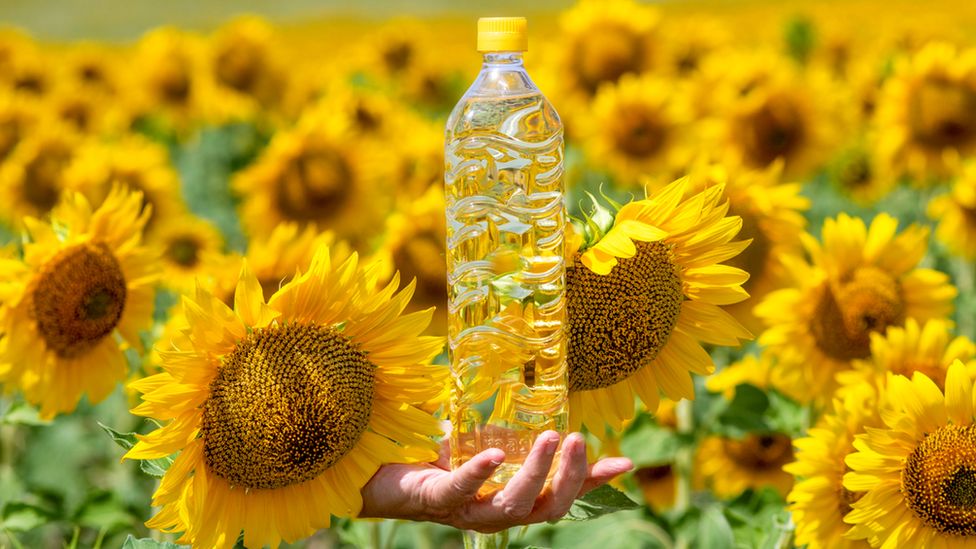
x=463, y=483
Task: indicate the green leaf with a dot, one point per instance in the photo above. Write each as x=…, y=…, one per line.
x=745, y=413
x=714, y=530
x=21, y=413
x=601, y=501
x=146, y=543
x=104, y=510
x=650, y=444
x=22, y=517
x=152, y=467
x=624, y=530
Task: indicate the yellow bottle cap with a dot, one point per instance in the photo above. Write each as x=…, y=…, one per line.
x=503, y=34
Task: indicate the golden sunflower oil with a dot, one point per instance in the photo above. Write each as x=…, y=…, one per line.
x=505, y=260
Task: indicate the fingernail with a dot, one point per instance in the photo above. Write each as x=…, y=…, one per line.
x=495, y=463
x=551, y=445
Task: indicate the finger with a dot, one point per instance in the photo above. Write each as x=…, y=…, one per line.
x=463, y=483
x=603, y=471
x=518, y=497
x=568, y=479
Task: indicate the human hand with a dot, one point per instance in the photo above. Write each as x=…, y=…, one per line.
x=432, y=492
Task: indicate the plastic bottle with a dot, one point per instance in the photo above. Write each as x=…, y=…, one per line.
x=505, y=261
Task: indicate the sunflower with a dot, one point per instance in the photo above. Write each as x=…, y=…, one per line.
x=28, y=71
x=730, y=466
x=772, y=219
x=93, y=68
x=191, y=249
x=18, y=116
x=819, y=501
x=642, y=294
x=275, y=259
x=919, y=470
x=857, y=173
x=336, y=369
x=243, y=59
x=134, y=162
x=860, y=280
x=314, y=174
x=31, y=178
x=86, y=281
x=688, y=43
x=928, y=348
x=956, y=214
x=420, y=160
x=637, y=127
x=927, y=112
x=414, y=244
x=601, y=42
x=759, y=371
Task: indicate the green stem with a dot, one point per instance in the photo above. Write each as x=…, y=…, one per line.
x=476, y=540
x=425, y=539
x=684, y=459
x=391, y=537
x=785, y=540
x=100, y=538
x=74, y=538
x=13, y=539
x=376, y=535
x=963, y=277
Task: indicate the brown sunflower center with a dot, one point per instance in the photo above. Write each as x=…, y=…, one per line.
x=288, y=403
x=939, y=480
x=760, y=452
x=639, y=132
x=172, y=80
x=421, y=257
x=618, y=323
x=869, y=300
x=314, y=185
x=943, y=114
x=653, y=473
x=774, y=130
x=184, y=251
x=42, y=176
x=238, y=65
x=606, y=53
x=855, y=172
x=78, y=298
x=397, y=56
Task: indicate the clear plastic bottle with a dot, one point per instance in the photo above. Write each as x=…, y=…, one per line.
x=506, y=273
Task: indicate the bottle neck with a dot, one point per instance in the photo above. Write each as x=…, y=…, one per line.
x=503, y=59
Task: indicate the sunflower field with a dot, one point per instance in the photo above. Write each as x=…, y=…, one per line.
x=222, y=274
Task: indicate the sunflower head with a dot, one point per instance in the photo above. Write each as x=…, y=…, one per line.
x=313, y=174
x=956, y=214
x=606, y=40
x=294, y=401
x=244, y=60
x=17, y=117
x=927, y=112
x=31, y=178
x=191, y=249
x=640, y=293
x=731, y=466
x=83, y=279
x=919, y=469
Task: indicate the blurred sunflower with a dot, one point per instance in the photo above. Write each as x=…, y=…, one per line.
x=17, y=117
x=919, y=470
x=927, y=113
x=365, y=114
x=731, y=466
x=134, y=162
x=860, y=280
x=637, y=127
x=689, y=42
x=414, y=245
x=243, y=58
x=644, y=289
x=93, y=68
x=772, y=219
x=337, y=369
x=31, y=178
x=602, y=41
x=819, y=501
x=759, y=371
x=275, y=259
x=858, y=174
x=85, y=281
x=956, y=214
x=191, y=249
x=395, y=49
x=419, y=161
x=315, y=174
x=904, y=350
x=28, y=71
x=173, y=88
x=778, y=120
x=657, y=484
x=85, y=110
